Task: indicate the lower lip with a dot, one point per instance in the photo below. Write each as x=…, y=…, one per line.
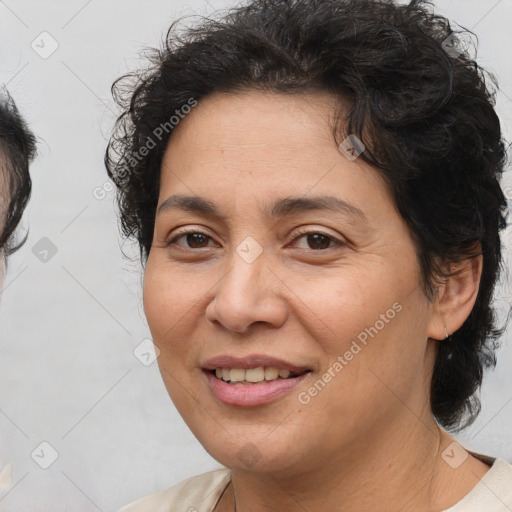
x=250, y=395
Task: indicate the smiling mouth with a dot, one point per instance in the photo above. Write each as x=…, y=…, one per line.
x=250, y=376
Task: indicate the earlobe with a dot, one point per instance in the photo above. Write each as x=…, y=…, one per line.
x=456, y=297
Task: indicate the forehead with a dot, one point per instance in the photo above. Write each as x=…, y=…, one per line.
x=260, y=143
x=254, y=132
x=229, y=118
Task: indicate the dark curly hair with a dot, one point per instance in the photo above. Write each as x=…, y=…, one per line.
x=17, y=149
x=417, y=99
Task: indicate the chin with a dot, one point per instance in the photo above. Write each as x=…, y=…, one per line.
x=254, y=451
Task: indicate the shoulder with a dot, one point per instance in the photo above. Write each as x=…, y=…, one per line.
x=197, y=494
x=493, y=493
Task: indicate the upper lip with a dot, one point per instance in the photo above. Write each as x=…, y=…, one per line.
x=252, y=361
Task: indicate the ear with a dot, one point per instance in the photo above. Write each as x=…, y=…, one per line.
x=455, y=297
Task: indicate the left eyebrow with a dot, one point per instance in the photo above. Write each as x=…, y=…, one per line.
x=291, y=205
x=279, y=209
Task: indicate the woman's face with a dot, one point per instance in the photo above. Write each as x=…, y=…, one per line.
x=270, y=281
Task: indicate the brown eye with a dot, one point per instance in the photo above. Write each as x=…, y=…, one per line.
x=317, y=241
x=194, y=240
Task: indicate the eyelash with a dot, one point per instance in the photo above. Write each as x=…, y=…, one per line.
x=339, y=243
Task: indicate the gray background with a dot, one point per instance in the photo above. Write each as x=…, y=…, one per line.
x=70, y=321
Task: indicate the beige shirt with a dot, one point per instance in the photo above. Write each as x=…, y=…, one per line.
x=201, y=493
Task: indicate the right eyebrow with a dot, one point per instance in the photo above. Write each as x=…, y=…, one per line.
x=193, y=204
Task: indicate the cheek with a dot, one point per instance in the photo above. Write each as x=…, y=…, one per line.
x=166, y=305
x=168, y=298
x=340, y=306
x=375, y=319
x=379, y=354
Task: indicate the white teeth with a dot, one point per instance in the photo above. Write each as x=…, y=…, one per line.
x=252, y=375
x=255, y=374
x=236, y=375
x=271, y=373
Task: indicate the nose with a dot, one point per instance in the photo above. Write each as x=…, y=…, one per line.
x=249, y=293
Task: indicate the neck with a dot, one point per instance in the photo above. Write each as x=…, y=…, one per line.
x=401, y=468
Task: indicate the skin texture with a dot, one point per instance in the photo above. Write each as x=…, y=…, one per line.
x=368, y=438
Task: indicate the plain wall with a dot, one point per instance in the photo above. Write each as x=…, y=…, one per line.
x=71, y=309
